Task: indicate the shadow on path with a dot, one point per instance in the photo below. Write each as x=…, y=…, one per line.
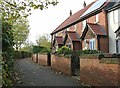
x=32, y=74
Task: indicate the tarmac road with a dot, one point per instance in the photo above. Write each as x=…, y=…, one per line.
x=32, y=74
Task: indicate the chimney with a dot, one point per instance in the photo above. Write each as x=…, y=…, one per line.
x=84, y=4
x=70, y=12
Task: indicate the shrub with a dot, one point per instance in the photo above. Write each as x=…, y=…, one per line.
x=45, y=50
x=64, y=51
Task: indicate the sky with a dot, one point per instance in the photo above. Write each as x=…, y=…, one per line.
x=47, y=20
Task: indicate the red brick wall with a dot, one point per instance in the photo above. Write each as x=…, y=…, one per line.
x=79, y=28
x=61, y=64
x=98, y=74
x=34, y=58
x=102, y=20
x=42, y=59
x=104, y=45
x=77, y=46
x=119, y=74
x=91, y=19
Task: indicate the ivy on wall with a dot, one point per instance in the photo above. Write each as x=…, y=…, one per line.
x=7, y=51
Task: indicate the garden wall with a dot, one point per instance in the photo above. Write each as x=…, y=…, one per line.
x=95, y=73
x=61, y=64
x=35, y=58
x=42, y=59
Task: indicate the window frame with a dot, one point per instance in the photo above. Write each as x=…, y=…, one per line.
x=92, y=44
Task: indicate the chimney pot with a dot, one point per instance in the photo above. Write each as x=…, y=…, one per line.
x=84, y=4
x=70, y=12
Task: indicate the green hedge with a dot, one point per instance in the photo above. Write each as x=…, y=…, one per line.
x=21, y=54
x=110, y=60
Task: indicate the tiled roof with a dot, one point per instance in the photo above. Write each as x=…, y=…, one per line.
x=97, y=29
x=71, y=19
x=59, y=39
x=73, y=35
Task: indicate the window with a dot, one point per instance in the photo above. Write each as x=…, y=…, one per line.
x=97, y=18
x=75, y=27
x=84, y=24
x=92, y=44
x=85, y=44
x=69, y=45
x=68, y=29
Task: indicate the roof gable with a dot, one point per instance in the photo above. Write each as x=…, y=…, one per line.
x=58, y=40
x=72, y=35
x=96, y=29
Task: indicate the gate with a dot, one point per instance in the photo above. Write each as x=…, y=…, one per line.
x=75, y=64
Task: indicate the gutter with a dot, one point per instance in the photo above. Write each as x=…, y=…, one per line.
x=113, y=8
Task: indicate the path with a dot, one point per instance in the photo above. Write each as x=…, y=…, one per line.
x=32, y=74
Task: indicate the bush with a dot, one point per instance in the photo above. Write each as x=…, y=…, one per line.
x=44, y=50
x=83, y=52
x=21, y=54
x=64, y=51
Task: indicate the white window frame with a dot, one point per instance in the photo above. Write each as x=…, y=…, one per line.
x=75, y=27
x=97, y=18
x=68, y=29
x=92, y=44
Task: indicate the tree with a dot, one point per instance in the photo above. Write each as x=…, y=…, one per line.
x=12, y=9
x=44, y=41
x=20, y=32
x=27, y=47
x=7, y=44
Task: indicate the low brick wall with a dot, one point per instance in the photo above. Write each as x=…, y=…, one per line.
x=61, y=64
x=35, y=58
x=42, y=59
x=95, y=73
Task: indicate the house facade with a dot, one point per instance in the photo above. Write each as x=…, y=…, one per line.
x=91, y=27
x=71, y=26
x=113, y=14
x=72, y=41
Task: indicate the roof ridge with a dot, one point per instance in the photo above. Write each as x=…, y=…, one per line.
x=61, y=24
x=73, y=19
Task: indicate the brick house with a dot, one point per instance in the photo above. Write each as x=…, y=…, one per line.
x=72, y=41
x=91, y=26
x=95, y=27
x=57, y=43
x=92, y=38
x=72, y=23
x=113, y=14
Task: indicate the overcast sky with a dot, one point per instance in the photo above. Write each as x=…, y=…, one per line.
x=42, y=22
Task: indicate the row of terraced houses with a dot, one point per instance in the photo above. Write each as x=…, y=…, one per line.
x=95, y=27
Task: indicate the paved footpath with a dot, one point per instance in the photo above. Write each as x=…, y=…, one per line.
x=32, y=74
